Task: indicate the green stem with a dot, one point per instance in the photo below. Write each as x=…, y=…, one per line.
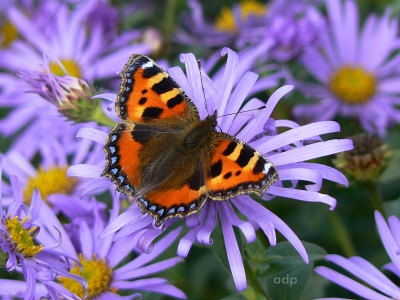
x=343, y=235
x=252, y=280
x=100, y=118
x=375, y=197
x=169, y=24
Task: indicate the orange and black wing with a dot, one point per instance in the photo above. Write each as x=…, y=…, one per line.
x=236, y=168
x=147, y=93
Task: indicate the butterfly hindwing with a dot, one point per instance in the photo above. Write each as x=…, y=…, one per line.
x=236, y=168
x=147, y=93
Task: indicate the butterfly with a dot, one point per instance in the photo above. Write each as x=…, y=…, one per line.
x=166, y=157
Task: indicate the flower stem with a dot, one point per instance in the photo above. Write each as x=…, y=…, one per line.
x=375, y=196
x=252, y=279
x=170, y=11
x=343, y=235
x=100, y=118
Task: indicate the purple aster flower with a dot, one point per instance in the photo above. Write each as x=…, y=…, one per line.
x=101, y=261
x=356, y=69
x=28, y=251
x=289, y=25
x=63, y=194
x=288, y=151
x=379, y=286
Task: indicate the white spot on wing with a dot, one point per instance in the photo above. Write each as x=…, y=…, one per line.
x=149, y=64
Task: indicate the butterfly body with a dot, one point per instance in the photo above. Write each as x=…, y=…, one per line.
x=164, y=154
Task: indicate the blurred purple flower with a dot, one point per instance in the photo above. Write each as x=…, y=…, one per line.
x=104, y=263
x=378, y=286
x=226, y=93
x=289, y=26
x=72, y=45
x=357, y=69
x=63, y=194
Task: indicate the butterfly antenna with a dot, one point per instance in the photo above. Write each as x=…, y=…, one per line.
x=243, y=111
x=202, y=85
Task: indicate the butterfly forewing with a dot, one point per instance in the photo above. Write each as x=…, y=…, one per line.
x=147, y=93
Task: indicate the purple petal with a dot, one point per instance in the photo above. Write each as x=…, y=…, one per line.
x=233, y=252
x=311, y=151
x=302, y=195
x=388, y=241
x=92, y=134
x=85, y=170
x=349, y=284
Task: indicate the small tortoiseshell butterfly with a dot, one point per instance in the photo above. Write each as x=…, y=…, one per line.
x=163, y=153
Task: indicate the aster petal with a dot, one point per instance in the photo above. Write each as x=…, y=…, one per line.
x=204, y=234
x=374, y=274
x=97, y=185
x=326, y=172
x=186, y=243
x=1, y=176
x=246, y=228
x=394, y=224
x=295, y=135
x=311, y=151
x=228, y=78
x=365, y=271
x=10, y=288
x=19, y=164
x=392, y=248
x=108, y=96
x=85, y=170
x=111, y=64
x=303, y=174
x=92, y=134
x=144, y=258
x=316, y=64
x=35, y=204
x=152, y=285
x=233, y=252
x=123, y=219
x=194, y=82
x=349, y=284
x=149, y=270
x=51, y=228
x=255, y=125
x=392, y=268
x=256, y=212
x=86, y=239
x=236, y=99
x=302, y=195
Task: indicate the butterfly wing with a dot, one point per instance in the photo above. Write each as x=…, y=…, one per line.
x=236, y=168
x=147, y=93
x=153, y=108
x=183, y=192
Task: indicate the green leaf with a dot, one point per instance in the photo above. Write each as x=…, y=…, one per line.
x=3, y=259
x=288, y=275
x=248, y=294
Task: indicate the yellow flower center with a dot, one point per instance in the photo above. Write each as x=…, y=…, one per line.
x=226, y=20
x=48, y=182
x=22, y=238
x=353, y=85
x=8, y=33
x=70, y=66
x=97, y=274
